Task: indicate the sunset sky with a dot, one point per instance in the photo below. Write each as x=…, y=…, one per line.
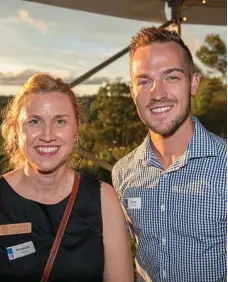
x=36, y=37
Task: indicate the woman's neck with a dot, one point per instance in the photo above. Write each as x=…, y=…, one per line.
x=46, y=188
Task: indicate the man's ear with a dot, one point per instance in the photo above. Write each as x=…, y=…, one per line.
x=132, y=93
x=195, y=81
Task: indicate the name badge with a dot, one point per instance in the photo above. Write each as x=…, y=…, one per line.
x=20, y=250
x=17, y=228
x=133, y=203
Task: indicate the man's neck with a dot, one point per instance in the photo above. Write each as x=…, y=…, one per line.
x=168, y=149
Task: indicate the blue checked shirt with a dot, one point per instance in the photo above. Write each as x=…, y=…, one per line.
x=179, y=215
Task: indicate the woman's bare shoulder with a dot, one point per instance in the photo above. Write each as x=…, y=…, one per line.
x=109, y=197
x=13, y=177
x=111, y=206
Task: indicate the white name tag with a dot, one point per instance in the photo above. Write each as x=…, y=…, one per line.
x=20, y=250
x=133, y=203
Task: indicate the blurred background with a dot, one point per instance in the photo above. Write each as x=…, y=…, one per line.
x=69, y=41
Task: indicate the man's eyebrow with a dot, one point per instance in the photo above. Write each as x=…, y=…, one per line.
x=172, y=70
x=141, y=76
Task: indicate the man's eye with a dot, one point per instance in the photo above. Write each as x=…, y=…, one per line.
x=172, y=78
x=143, y=82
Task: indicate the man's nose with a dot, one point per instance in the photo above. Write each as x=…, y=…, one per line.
x=158, y=91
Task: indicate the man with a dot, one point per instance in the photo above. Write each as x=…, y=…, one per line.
x=173, y=185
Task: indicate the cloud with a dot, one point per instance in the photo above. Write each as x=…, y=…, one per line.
x=25, y=17
x=96, y=80
x=19, y=78
x=15, y=78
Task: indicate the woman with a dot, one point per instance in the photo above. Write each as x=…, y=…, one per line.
x=40, y=131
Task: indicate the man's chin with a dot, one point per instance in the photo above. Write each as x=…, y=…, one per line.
x=164, y=131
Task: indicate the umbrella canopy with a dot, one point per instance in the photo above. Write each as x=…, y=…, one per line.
x=205, y=12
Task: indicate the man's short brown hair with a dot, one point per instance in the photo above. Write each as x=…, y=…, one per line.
x=149, y=35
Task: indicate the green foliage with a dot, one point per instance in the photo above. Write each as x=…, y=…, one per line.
x=116, y=125
x=85, y=104
x=4, y=100
x=210, y=103
x=114, y=129
x=92, y=169
x=210, y=90
x=213, y=53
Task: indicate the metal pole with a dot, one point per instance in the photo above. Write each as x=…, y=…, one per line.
x=99, y=67
x=94, y=70
x=176, y=12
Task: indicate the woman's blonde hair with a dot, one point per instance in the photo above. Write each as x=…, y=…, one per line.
x=39, y=83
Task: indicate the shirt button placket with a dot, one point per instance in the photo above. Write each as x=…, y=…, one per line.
x=163, y=200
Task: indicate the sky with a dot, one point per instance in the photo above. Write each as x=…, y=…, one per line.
x=67, y=43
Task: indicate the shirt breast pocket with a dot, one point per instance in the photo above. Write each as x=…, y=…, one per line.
x=203, y=213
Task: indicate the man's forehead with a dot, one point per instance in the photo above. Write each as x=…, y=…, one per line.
x=153, y=50
x=161, y=55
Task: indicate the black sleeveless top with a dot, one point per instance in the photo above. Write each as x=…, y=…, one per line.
x=81, y=254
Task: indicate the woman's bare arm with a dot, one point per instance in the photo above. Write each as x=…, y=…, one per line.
x=118, y=259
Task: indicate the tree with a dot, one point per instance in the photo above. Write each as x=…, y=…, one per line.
x=209, y=90
x=213, y=53
x=111, y=130
x=117, y=123
x=209, y=105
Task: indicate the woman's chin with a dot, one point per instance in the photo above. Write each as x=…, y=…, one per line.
x=47, y=168
x=46, y=171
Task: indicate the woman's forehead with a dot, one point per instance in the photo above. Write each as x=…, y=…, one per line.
x=47, y=103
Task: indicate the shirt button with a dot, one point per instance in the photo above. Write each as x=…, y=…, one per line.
x=165, y=175
x=163, y=241
x=162, y=207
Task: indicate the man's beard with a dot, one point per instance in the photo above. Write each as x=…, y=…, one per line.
x=170, y=127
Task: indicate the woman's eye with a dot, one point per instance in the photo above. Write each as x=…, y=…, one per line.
x=34, y=121
x=60, y=121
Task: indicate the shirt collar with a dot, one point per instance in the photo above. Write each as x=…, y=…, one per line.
x=146, y=154
x=202, y=142
x=201, y=145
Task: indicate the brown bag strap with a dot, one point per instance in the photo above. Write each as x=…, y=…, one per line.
x=61, y=230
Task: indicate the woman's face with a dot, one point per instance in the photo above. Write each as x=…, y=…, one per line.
x=47, y=131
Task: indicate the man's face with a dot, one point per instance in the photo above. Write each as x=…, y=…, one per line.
x=162, y=86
